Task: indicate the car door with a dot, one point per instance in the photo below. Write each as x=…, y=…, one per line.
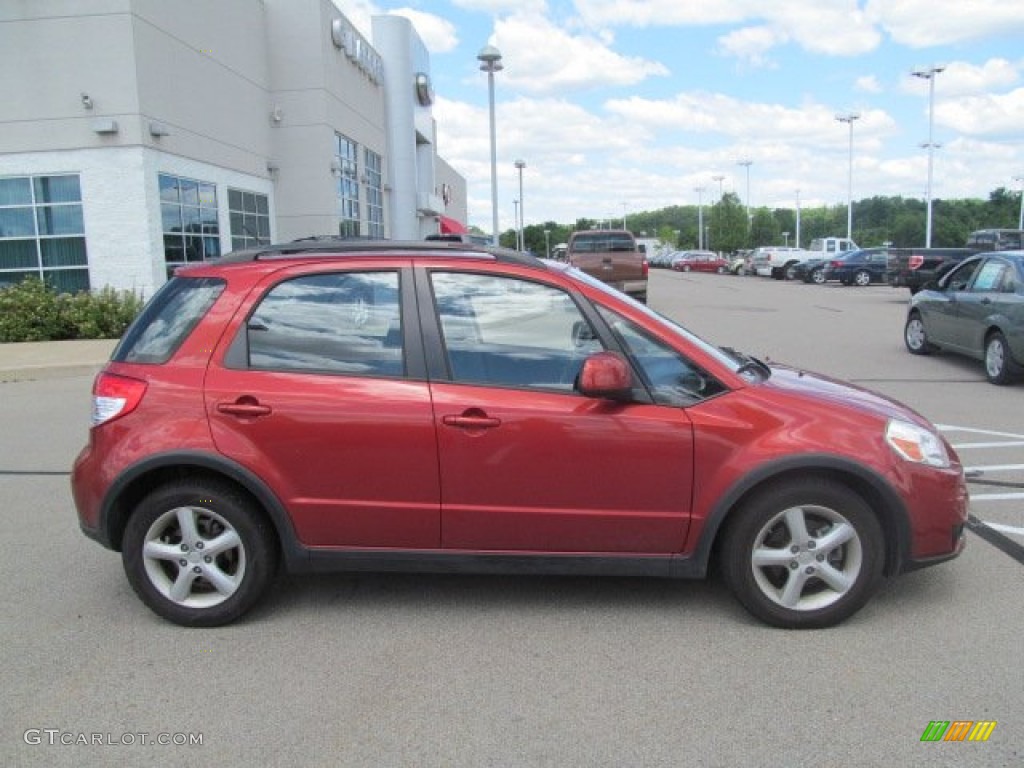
x=978, y=304
x=528, y=464
x=942, y=314
x=321, y=393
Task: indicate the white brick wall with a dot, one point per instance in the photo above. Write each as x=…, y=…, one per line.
x=121, y=206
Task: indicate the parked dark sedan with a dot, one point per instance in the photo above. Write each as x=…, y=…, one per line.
x=863, y=267
x=810, y=271
x=976, y=309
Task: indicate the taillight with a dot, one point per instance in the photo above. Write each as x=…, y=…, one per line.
x=835, y=264
x=916, y=260
x=114, y=396
x=644, y=268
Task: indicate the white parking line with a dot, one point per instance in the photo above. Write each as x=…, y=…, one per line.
x=996, y=496
x=1006, y=529
x=992, y=433
x=995, y=468
x=1004, y=444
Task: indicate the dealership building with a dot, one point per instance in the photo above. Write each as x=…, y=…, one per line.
x=140, y=135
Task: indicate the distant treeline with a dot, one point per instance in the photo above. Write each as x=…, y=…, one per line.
x=876, y=220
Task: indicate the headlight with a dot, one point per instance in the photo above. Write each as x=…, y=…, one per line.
x=916, y=444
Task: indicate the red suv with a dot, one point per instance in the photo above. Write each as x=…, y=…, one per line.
x=445, y=407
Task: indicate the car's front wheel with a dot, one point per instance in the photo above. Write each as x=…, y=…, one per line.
x=803, y=554
x=915, y=337
x=818, y=276
x=199, y=553
x=862, y=278
x=999, y=366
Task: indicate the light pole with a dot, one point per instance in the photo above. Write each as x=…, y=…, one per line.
x=700, y=217
x=515, y=217
x=719, y=179
x=547, y=243
x=746, y=164
x=797, y=235
x=849, y=117
x=490, y=62
x=785, y=237
x=1020, y=221
x=624, y=215
x=520, y=164
x=929, y=75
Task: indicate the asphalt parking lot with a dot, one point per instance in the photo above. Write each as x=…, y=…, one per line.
x=404, y=670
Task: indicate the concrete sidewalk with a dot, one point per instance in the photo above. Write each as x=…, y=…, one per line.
x=32, y=360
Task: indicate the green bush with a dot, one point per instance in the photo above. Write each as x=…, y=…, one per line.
x=33, y=311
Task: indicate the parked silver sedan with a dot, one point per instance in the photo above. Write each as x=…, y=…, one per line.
x=977, y=310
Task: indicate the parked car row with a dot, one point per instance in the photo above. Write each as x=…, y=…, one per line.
x=690, y=261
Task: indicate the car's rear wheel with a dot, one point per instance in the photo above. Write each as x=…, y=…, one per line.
x=818, y=276
x=791, y=272
x=198, y=553
x=804, y=554
x=999, y=366
x=862, y=278
x=915, y=337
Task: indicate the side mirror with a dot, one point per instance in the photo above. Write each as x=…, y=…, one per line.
x=606, y=375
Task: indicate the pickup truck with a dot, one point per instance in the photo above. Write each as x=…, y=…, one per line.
x=612, y=256
x=914, y=267
x=778, y=262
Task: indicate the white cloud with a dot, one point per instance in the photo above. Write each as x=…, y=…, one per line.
x=867, y=84
x=438, y=34
x=987, y=114
x=928, y=23
x=542, y=58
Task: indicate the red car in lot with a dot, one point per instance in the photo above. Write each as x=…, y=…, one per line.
x=446, y=407
x=700, y=261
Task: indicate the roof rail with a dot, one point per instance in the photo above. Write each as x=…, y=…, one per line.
x=333, y=245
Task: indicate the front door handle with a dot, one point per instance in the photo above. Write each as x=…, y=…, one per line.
x=473, y=418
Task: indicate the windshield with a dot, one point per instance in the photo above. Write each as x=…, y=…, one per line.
x=735, y=361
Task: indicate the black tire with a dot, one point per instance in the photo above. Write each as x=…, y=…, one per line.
x=999, y=365
x=837, y=565
x=212, y=589
x=915, y=336
x=818, y=276
x=790, y=272
x=862, y=278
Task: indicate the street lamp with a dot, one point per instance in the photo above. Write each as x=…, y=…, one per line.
x=1020, y=221
x=547, y=243
x=515, y=218
x=849, y=117
x=785, y=237
x=700, y=217
x=719, y=179
x=747, y=164
x=490, y=62
x=520, y=164
x=929, y=75
x=796, y=236
x=624, y=215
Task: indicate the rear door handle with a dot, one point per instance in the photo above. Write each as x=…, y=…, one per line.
x=244, y=409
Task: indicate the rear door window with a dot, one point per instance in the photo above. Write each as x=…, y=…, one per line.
x=343, y=322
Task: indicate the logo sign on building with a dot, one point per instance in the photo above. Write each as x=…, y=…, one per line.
x=362, y=54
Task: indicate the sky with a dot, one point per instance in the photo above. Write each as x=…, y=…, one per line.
x=620, y=106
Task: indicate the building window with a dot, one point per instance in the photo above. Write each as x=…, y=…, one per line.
x=189, y=211
x=250, y=219
x=374, y=195
x=42, y=231
x=345, y=155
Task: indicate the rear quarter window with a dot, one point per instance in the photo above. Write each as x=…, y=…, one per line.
x=168, y=319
